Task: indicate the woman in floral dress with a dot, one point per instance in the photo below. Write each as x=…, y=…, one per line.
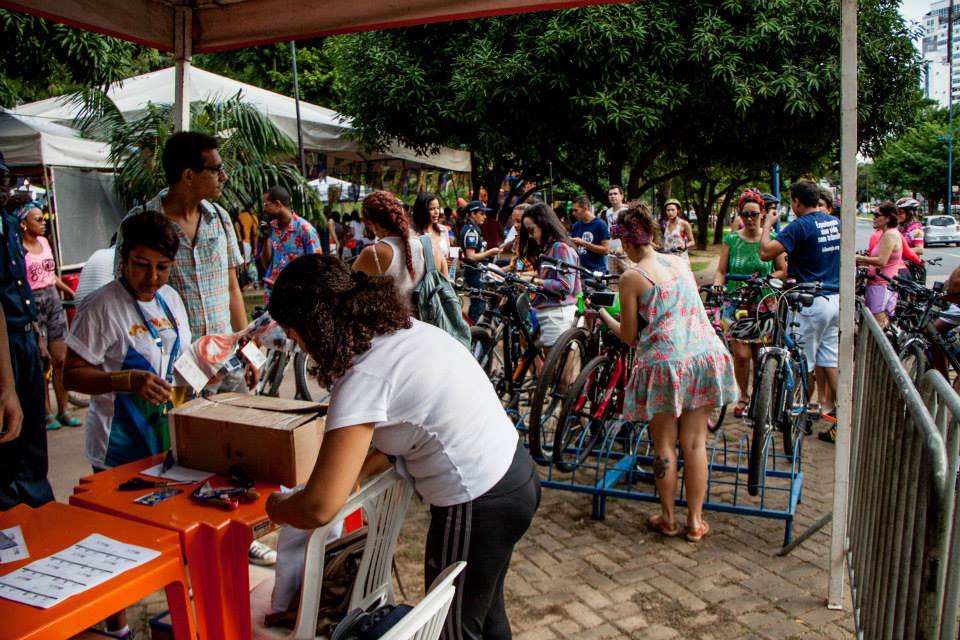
x=681, y=370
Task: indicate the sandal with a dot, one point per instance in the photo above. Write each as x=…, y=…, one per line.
x=67, y=420
x=658, y=524
x=52, y=423
x=829, y=416
x=696, y=535
x=740, y=408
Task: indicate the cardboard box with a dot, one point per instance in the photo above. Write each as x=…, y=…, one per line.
x=273, y=439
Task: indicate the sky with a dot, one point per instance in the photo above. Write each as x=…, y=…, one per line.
x=914, y=9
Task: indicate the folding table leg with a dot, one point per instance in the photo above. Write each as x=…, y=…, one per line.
x=181, y=616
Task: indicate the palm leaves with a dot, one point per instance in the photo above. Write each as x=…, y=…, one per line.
x=256, y=154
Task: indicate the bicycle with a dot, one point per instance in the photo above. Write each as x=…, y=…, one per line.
x=594, y=398
x=574, y=347
x=713, y=304
x=281, y=350
x=781, y=390
x=504, y=340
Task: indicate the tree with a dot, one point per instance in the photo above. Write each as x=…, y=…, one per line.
x=268, y=67
x=256, y=154
x=916, y=161
x=635, y=93
x=47, y=59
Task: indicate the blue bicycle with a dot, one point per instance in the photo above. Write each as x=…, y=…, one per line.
x=781, y=387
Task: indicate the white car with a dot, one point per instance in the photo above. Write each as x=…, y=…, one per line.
x=941, y=229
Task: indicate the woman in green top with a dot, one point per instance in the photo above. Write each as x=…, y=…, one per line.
x=740, y=255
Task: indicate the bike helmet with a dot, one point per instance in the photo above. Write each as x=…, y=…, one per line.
x=755, y=324
x=907, y=203
x=769, y=199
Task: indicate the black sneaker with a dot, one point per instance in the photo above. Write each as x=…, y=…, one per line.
x=830, y=435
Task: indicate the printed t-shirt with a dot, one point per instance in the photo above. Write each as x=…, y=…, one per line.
x=594, y=232
x=109, y=332
x=455, y=445
x=41, y=269
x=812, y=242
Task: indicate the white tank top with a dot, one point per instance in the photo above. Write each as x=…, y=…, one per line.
x=398, y=264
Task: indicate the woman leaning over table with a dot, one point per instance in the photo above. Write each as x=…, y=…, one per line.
x=459, y=447
x=122, y=346
x=680, y=371
x=740, y=255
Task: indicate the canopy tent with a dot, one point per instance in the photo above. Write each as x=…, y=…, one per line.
x=324, y=130
x=219, y=25
x=28, y=141
x=327, y=183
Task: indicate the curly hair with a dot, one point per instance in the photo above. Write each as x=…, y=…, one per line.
x=336, y=311
x=638, y=214
x=386, y=210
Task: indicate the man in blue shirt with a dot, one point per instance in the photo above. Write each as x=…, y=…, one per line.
x=812, y=245
x=23, y=434
x=474, y=248
x=590, y=235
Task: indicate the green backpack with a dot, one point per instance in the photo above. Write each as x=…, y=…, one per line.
x=435, y=301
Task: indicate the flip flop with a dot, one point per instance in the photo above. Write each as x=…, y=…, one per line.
x=658, y=524
x=67, y=420
x=696, y=535
x=52, y=423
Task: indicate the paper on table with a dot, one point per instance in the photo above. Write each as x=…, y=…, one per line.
x=82, y=566
x=177, y=473
x=19, y=549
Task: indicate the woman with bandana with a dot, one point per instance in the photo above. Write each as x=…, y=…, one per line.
x=680, y=371
x=47, y=287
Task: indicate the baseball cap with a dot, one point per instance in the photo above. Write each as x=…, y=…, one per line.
x=475, y=205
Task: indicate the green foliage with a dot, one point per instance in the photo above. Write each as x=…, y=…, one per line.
x=268, y=67
x=634, y=93
x=255, y=152
x=47, y=59
x=916, y=161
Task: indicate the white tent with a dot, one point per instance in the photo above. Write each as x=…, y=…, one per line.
x=324, y=130
x=28, y=141
x=324, y=185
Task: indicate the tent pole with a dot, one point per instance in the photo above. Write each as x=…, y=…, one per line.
x=296, y=100
x=848, y=212
x=183, y=51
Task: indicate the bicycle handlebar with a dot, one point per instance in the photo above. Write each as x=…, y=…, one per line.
x=595, y=275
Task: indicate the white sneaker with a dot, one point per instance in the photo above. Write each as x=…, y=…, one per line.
x=261, y=554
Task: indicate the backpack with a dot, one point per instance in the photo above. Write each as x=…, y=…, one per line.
x=435, y=301
x=341, y=564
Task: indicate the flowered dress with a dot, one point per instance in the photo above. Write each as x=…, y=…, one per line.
x=679, y=362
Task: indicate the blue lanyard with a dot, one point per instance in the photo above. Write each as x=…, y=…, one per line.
x=157, y=340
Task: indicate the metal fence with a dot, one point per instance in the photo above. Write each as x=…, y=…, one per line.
x=901, y=497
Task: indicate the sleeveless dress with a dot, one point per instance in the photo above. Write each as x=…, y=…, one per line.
x=674, y=240
x=679, y=362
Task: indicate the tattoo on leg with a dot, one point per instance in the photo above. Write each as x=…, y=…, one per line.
x=660, y=466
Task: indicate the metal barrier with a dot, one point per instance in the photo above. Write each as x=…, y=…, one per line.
x=900, y=505
x=944, y=405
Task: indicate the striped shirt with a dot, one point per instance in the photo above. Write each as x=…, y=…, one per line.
x=201, y=273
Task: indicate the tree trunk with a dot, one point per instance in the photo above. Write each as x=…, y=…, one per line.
x=722, y=214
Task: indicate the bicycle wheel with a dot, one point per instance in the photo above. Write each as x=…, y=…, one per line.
x=578, y=424
x=795, y=419
x=307, y=386
x=762, y=425
x=272, y=373
x=716, y=418
x=481, y=347
x=563, y=363
x=914, y=358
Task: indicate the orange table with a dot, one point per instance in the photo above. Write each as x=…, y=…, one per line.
x=54, y=527
x=214, y=542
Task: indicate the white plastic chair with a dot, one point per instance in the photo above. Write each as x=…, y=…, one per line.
x=425, y=621
x=384, y=500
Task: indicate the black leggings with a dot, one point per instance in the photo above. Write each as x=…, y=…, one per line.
x=482, y=533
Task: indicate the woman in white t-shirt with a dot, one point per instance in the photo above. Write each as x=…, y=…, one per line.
x=395, y=253
x=122, y=346
x=458, y=447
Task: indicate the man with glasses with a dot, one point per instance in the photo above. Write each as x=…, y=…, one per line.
x=474, y=248
x=23, y=434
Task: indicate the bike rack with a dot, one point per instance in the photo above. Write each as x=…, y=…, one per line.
x=615, y=466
